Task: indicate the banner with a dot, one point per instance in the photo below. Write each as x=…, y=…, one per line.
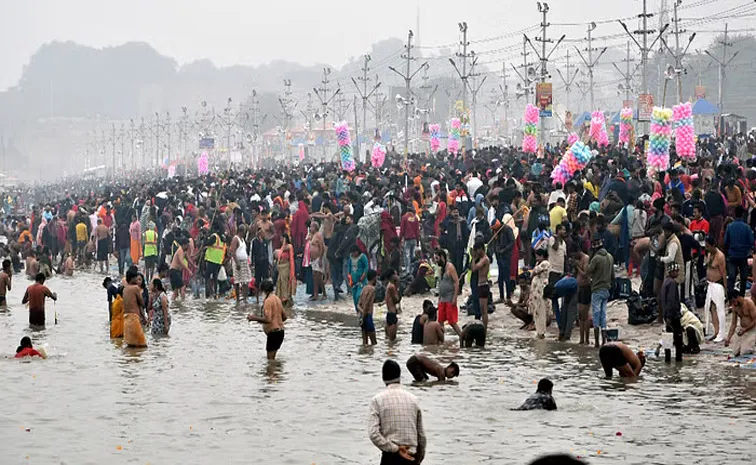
x=645, y=107
x=568, y=120
x=700, y=92
x=544, y=99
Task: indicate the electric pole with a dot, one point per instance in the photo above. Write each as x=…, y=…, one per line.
x=627, y=75
x=569, y=80
x=113, y=140
x=678, y=55
x=474, y=89
x=325, y=101
x=528, y=74
x=428, y=97
x=157, y=140
x=504, y=87
x=168, y=135
x=543, y=57
x=723, y=63
x=286, y=111
x=643, y=45
x=365, y=95
x=407, y=100
x=131, y=141
x=142, y=138
x=464, y=56
x=378, y=107
x=590, y=62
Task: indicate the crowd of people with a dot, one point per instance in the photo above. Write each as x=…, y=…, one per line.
x=443, y=225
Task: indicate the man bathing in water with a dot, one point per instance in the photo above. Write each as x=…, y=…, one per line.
x=365, y=307
x=6, y=278
x=744, y=310
x=179, y=263
x=133, y=303
x=421, y=366
x=616, y=355
x=392, y=303
x=480, y=267
x=475, y=331
x=35, y=296
x=102, y=235
x=542, y=399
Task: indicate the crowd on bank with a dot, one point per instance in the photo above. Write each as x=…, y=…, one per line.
x=443, y=223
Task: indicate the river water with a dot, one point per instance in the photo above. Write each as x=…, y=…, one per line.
x=206, y=394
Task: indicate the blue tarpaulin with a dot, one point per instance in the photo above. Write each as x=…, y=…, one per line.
x=704, y=107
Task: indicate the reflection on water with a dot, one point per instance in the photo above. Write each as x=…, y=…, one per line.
x=207, y=394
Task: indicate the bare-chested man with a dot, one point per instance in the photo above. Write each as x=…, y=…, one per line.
x=317, y=251
x=32, y=265
x=745, y=310
x=69, y=265
x=616, y=355
x=714, y=306
x=133, y=335
x=392, y=302
x=480, y=267
x=421, y=366
x=433, y=333
x=579, y=261
x=6, y=277
x=102, y=236
x=179, y=263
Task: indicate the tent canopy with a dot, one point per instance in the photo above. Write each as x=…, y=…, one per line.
x=704, y=107
x=582, y=119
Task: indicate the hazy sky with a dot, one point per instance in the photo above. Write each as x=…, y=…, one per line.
x=253, y=31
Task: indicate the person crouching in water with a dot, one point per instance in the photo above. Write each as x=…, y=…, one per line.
x=542, y=399
x=616, y=355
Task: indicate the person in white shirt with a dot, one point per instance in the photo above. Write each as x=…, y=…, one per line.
x=556, y=194
x=396, y=422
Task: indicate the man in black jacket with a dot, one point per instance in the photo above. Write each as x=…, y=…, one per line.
x=454, y=237
x=716, y=209
x=344, y=237
x=504, y=245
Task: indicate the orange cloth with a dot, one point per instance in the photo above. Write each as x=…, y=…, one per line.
x=136, y=251
x=133, y=335
x=116, y=318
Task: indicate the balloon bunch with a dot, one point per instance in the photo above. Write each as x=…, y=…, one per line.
x=378, y=156
x=435, y=137
x=685, y=137
x=659, y=139
x=598, y=128
x=453, y=143
x=572, y=138
x=626, y=125
x=203, y=164
x=576, y=158
x=530, y=139
x=345, y=146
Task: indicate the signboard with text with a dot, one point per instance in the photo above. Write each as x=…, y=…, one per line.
x=645, y=107
x=544, y=99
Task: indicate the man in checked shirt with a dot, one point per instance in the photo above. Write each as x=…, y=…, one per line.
x=396, y=422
